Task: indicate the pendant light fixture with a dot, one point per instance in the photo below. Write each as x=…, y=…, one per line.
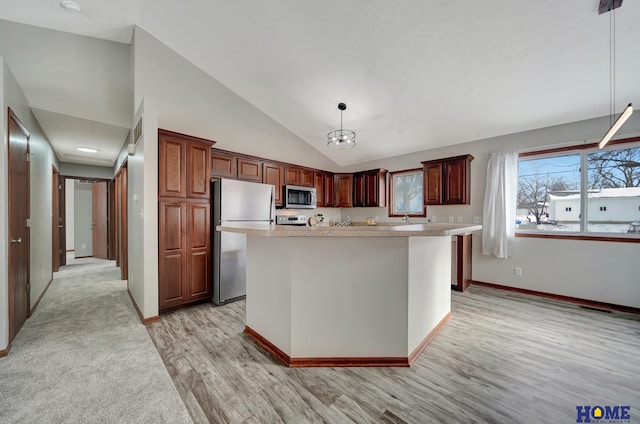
x=341, y=139
x=610, y=7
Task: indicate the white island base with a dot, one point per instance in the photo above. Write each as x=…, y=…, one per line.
x=347, y=301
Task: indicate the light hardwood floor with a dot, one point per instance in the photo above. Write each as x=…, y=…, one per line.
x=503, y=358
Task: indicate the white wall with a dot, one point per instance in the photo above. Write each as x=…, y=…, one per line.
x=69, y=212
x=601, y=271
x=85, y=171
x=191, y=102
x=4, y=223
x=41, y=161
x=142, y=191
x=83, y=217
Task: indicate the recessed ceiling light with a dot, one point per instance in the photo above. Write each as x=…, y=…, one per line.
x=86, y=149
x=71, y=5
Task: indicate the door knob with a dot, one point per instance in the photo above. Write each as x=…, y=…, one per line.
x=60, y=226
x=18, y=240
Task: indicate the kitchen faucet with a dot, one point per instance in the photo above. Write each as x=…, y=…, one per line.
x=406, y=219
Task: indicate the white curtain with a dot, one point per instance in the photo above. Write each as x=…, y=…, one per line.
x=499, y=216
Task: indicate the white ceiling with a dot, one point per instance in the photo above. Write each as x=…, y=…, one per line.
x=414, y=74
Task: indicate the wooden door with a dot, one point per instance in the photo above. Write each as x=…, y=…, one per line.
x=224, y=166
x=172, y=245
x=62, y=220
x=344, y=190
x=99, y=220
x=199, y=263
x=111, y=220
x=306, y=177
x=358, y=189
x=18, y=198
x=455, y=177
x=198, y=170
x=319, y=185
x=171, y=167
x=250, y=170
x=117, y=215
x=292, y=175
x=124, y=232
x=329, y=193
x=433, y=184
x=274, y=174
x=55, y=221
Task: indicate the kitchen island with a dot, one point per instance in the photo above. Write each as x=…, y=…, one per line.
x=348, y=296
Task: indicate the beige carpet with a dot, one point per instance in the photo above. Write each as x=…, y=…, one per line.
x=84, y=357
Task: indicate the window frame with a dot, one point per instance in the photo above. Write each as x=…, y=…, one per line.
x=627, y=143
x=391, y=212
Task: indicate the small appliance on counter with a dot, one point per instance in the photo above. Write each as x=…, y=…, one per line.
x=291, y=220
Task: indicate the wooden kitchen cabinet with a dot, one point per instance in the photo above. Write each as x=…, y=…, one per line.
x=319, y=184
x=273, y=173
x=448, y=181
x=184, y=220
x=184, y=274
x=329, y=191
x=343, y=190
x=249, y=169
x=295, y=175
x=223, y=165
x=172, y=164
x=198, y=170
x=369, y=188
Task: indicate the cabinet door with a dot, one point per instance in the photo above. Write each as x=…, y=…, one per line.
x=319, y=185
x=329, y=192
x=171, y=167
x=375, y=188
x=433, y=184
x=198, y=170
x=455, y=177
x=344, y=190
x=199, y=264
x=172, y=261
x=292, y=175
x=306, y=177
x=358, y=189
x=274, y=174
x=223, y=165
x=250, y=169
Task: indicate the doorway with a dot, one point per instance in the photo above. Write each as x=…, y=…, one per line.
x=18, y=198
x=58, y=220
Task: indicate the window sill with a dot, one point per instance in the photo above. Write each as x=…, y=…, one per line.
x=622, y=238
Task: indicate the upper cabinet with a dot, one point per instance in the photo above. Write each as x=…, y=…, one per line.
x=324, y=189
x=273, y=173
x=295, y=175
x=343, y=190
x=447, y=181
x=369, y=188
x=183, y=166
x=172, y=162
x=223, y=165
x=250, y=169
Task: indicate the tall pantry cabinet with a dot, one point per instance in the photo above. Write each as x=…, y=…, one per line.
x=184, y=219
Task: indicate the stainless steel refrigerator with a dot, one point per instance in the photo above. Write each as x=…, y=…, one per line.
x=236, y=202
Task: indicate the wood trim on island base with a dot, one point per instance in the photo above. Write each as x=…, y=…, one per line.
x=576, y=300
x=145, y=321
x=345, y=361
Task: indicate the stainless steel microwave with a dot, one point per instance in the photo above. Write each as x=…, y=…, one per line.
x=296, y=197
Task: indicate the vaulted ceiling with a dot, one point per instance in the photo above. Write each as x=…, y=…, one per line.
x=414, y=74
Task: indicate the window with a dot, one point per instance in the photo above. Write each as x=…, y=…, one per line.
x=556, y=186
x=406, y=193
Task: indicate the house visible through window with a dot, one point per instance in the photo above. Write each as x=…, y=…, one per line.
x=406, y=193
x=556, y=187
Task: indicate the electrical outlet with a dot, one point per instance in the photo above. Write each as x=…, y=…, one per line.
x=84, y=246
x=477, y=220
x=433, y=219
x=459, y=220
x=452, y=219
x=517, y=271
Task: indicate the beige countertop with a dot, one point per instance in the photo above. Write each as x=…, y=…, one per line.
x=412, y=230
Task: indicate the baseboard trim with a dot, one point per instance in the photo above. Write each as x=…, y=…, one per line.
x=345, y=361
x=35, y=305
x=413, y=355
x=576, y=300
x=145, y=321
x=4, y=352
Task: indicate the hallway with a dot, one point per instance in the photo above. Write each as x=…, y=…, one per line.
x=84, y=356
